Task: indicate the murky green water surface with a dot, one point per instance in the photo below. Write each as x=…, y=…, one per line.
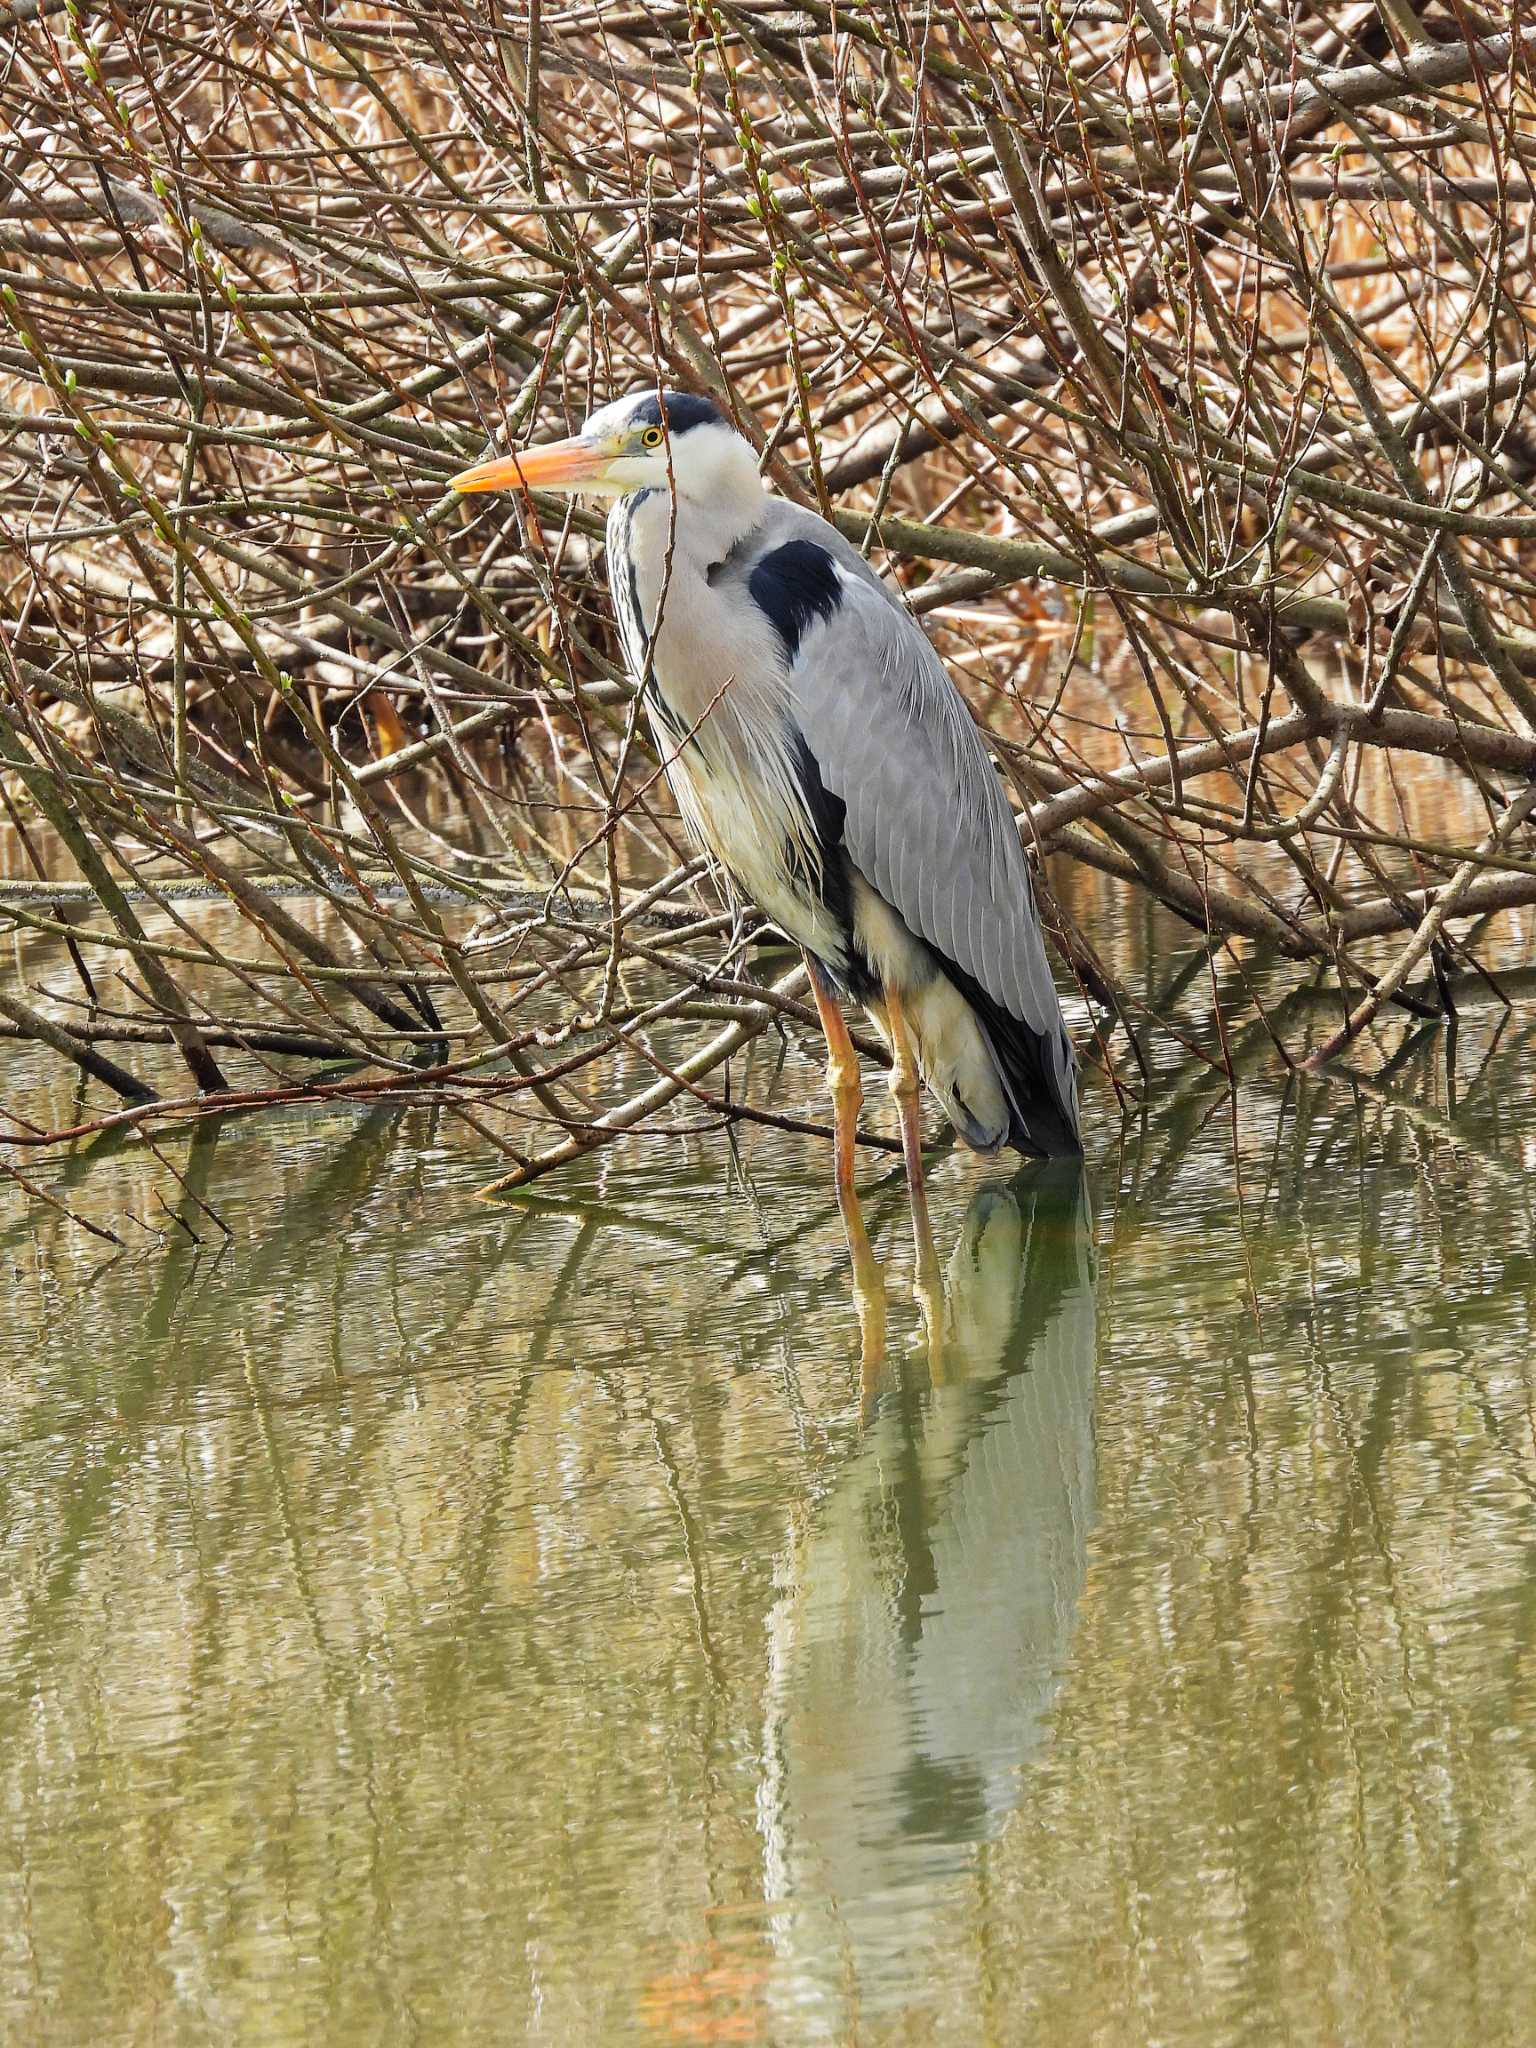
x=430, y=1622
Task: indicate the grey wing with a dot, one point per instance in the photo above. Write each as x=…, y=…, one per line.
x=927, y=821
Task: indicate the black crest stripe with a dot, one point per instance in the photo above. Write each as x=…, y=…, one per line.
x=684, y=410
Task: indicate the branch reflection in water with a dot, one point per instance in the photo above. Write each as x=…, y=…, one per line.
x=927, y=1607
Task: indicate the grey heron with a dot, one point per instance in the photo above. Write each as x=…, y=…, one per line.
x=820, y=751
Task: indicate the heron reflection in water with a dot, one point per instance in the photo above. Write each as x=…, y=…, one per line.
x=928, y=1609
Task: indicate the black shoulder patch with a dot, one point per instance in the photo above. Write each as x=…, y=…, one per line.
x=684, y=410
x=795, y=584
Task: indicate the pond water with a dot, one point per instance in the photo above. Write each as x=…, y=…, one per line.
x=429, y=1621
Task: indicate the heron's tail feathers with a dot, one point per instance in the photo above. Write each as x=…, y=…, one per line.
x=958, y=1065
x=998, y=1082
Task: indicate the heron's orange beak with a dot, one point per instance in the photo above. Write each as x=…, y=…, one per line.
x=559, y=466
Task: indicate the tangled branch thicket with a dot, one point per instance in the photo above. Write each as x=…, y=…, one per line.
x=1176, y=358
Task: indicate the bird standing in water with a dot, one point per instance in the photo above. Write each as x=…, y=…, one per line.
x=819, y=750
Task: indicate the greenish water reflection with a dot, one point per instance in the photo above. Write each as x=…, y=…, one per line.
x=431, y=1623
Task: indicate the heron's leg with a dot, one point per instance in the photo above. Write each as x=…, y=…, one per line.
x=906, y=1087
x=847, y=1093
x=843, y=1084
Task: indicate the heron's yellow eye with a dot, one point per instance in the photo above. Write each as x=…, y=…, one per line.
x=651, y=438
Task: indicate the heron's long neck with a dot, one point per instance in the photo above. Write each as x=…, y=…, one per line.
x=719, y=500
x=700, y=532
x=662, y=555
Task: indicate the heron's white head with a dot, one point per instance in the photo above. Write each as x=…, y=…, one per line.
x=643, y=442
